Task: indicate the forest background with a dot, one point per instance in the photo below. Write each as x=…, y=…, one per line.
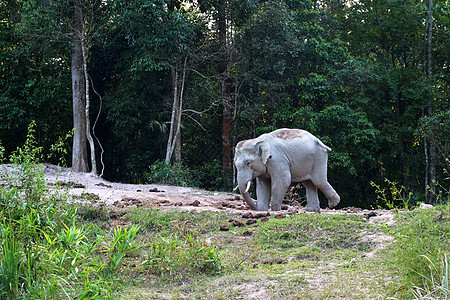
x=181, y=82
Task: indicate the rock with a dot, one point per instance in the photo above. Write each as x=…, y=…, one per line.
x=425, y=206
x=284, y=207
x=224, y=227
x=165, y=201
x=280, y=216
x=371, y=214
x=238, y=223
x=247, y=215
x=228, y=205
x=195, y=203
x=250, y=221
x=178, y=204
x=104, y=185
x=264, y=219
x=247, y=233
x=117, y=214
x=261, y=215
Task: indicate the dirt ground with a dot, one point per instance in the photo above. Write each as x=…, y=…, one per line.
x=120, y=195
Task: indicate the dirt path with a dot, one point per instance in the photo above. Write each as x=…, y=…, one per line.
x=122, y=195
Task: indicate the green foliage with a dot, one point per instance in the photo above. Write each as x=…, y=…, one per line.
x=393, y=196
x=2, y=152
x=209, y=176
x=58, y=150
x=40, y=256
x=178, y=256
x=10, y=264
x=93, y=213
x=122, y=244
x=421, y=250
x=175, y=174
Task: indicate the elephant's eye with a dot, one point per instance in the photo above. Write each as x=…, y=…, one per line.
x=248, y=163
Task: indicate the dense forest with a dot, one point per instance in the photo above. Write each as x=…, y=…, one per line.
x=121, y=88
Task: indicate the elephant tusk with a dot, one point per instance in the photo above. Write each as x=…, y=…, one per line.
x=236, y=188
x=249, y=183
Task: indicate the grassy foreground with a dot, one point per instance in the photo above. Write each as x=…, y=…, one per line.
x=53, y=248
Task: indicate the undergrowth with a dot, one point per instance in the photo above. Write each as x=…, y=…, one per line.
x=422, y=252
x=46, y=251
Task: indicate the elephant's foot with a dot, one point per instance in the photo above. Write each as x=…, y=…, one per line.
x=333, y=202
x=312, y=208
x=276, y=207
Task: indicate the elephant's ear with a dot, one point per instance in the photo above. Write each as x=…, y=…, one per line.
x=264, y=151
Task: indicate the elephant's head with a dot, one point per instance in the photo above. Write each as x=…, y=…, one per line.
x=251, y=161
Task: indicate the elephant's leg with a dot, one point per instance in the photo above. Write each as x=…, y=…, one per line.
x=279, y=189
x=312, y=198
x=263, y=193
x=330, y=193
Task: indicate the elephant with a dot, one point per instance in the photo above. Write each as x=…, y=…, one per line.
x=276, y=160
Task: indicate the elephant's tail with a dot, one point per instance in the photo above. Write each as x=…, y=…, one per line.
x=321, y=144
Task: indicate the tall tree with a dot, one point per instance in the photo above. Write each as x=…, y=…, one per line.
x=223, y=76
x=79, y=87
x=69, y=23
x=430, y=149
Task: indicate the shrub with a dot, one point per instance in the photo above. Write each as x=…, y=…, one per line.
x=210, y=176
x=41, y=257
x=422, y=249
x=176, y=174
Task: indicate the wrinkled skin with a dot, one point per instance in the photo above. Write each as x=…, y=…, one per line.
x=278, y=159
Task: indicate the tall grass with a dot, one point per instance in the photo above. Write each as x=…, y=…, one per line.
x=45, y=250
x=422, y=250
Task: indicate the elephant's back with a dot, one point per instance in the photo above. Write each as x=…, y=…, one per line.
x=289, y=134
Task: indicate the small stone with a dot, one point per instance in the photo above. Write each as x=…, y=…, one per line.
x=284, y=207
x=425, y=206
x=265, y=219
x=224, y=227
x=247, y=233
x=371, y=214
x=238, y=223
x=250, y=221
x=280, y=216
x=262, y=215
x=195, y=203
x=247, y=215
x=178, y=204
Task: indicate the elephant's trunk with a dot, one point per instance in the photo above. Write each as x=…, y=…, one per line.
x=246, y=196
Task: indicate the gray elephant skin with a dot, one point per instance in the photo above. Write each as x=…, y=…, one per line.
x=278, y=159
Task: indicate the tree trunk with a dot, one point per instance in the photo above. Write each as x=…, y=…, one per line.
x=174, y=75
x=174, y=140
x=430, y=111
x=225, y=94
x=79, y=148
x=88, y=104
